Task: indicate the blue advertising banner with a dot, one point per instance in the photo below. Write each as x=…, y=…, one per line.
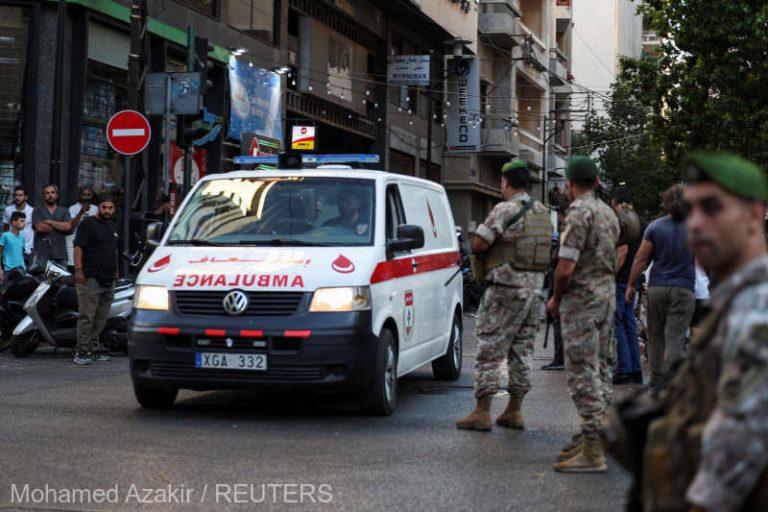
x=255, y=101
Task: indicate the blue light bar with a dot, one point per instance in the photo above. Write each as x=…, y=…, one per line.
x=245, y=159
x=360, y=158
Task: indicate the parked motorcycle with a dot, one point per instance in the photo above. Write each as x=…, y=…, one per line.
x=14, y=291
x=52, y=315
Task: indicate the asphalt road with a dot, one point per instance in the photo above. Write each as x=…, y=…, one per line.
x=65, y=427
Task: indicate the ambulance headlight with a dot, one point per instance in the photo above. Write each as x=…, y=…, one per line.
x=151, y=297
x=351, y=298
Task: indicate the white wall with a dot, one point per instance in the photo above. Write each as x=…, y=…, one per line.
x=453, y=19
x=603, y=30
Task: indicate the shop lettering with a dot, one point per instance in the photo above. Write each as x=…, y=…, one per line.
x=238, y=280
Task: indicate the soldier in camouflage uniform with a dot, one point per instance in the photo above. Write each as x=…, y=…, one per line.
x=507, y=320
x=585, y=300
x=709, y=448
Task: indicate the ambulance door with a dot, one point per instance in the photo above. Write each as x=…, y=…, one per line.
x=403, y=286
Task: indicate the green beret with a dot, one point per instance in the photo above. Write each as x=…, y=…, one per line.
x=737, y=175
x=514, y=164
x=580, y=168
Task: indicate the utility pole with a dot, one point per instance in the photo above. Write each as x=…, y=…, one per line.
x=135, y=81
x=58, y=103
x=191, y=55
x=544, y=162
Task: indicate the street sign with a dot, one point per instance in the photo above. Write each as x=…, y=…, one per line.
x=409, y=70
x=128, y=132
x=184, y=95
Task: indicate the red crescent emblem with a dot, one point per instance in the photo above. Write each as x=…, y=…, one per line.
x=343, y=265
x=432, y=220
x=160, y=264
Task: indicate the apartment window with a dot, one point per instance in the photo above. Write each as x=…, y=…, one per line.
x=207, y=6
x=254, y=17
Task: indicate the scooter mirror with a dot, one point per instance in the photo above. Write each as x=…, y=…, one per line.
x=155, y=233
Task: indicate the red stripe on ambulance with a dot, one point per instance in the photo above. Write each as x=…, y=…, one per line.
x=394, y=269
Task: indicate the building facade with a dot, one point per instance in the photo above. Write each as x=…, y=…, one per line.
x=604, y=31
x=333, y=59
x=524, y=47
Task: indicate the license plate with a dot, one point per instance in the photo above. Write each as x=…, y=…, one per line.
x=223, y=361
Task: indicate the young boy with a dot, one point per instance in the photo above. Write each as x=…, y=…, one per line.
x=12, y=245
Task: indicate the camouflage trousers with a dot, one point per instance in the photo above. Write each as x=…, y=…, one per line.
x=590, y=354
x=505, y=329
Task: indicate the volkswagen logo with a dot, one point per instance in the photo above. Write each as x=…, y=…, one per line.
x=235, y=302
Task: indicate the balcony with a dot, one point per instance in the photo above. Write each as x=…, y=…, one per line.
x=563, y=15
x=558, y=67
x=531, y=148
x=651, y=37
x=499, y=23
x=498, y=137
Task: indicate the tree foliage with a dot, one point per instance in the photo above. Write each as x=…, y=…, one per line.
x=621, y=143
x=708, y=86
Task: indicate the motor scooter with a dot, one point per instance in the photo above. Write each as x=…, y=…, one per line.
x=14, y=291
x=52, y=315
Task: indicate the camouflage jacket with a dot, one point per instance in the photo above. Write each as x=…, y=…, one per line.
x=734, y=448
x=492, y=229
x=589, y=236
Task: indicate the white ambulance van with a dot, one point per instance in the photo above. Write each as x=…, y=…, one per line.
x=328, y=277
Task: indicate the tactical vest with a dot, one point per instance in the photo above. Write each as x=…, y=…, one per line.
x=673, y=450
x=529, y=251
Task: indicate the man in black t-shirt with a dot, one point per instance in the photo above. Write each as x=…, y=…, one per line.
x=95, y=257
x=628, y=369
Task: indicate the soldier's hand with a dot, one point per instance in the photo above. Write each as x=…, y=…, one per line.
x=629, y=295
x=79, y=277
x=553, y=307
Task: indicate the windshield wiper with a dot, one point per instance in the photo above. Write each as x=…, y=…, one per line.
x=194, y=241
x=284, y=241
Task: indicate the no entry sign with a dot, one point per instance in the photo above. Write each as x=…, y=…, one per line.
x=128, y=132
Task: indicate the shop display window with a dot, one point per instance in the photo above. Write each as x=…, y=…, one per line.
x=106, y=93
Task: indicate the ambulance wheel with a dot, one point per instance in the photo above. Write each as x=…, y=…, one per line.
x=155, y=398
x=448, y=367
x=379, y=398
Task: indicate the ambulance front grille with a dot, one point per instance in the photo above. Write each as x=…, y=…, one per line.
x=259, y=303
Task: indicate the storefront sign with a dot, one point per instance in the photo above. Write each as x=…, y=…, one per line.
x=303, y=138
x=332, y=66
x=255, y=145
x=255, y=96
x=409, y=70
x=463, y=93
x=199, y=164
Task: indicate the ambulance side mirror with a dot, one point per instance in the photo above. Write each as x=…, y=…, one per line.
x=409, y=237
x=155, y=232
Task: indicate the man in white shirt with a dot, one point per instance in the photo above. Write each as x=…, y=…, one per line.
x=83, y=208
x=20, y=204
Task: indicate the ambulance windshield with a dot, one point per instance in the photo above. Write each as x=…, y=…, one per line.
x=297, y=211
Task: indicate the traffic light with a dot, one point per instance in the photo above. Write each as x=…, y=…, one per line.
x=185, y=131
x=203, y=64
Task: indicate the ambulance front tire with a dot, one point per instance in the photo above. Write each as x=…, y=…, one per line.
x=448, y=367
x=155, y=398
x=379, y=398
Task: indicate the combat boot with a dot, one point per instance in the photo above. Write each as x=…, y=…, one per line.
x=571, y=448
x=589, y=460
x=512, y=417
x=480, y=418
